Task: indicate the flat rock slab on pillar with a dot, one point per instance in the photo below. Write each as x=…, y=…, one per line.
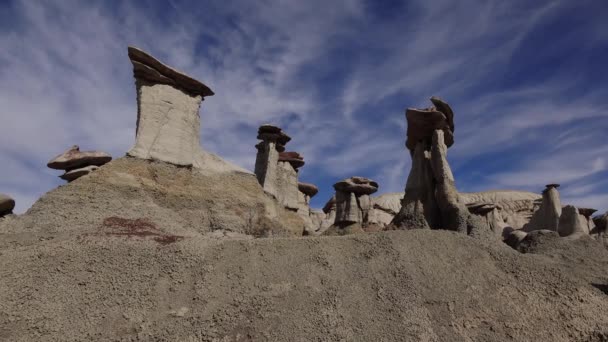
x=168, y=102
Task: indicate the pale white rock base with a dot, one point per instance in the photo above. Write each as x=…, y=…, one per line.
x=168, y=124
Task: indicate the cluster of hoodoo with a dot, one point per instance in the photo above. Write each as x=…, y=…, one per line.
x=277, y=172
x=77, y=163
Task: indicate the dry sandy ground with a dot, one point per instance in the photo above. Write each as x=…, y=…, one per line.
x=160, y=277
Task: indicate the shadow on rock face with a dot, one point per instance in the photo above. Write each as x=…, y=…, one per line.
x=601, y=287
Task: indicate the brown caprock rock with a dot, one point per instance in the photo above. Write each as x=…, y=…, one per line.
x=7, y=205
x=294, y=158
x=308, y=189
x=73, y=158
x=421, y=123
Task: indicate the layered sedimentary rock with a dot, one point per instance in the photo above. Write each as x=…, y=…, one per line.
x=515, y=207
x=168, y=120
x=548, y=214
x=78, y=163
x=7, y=204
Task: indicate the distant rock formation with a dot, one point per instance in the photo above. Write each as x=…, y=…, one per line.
x=7, y=204
x=312, y=220
x=275, y=169
x=571, y=222
x=77, y=163
x=547, y=216
x=431, y=199
x=601, y=228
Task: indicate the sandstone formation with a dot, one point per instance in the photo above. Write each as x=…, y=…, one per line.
x=600, y=230
x=7, y=205
x=431, y=199
x=77, y=163
x=585, y=216
x=311, y=219
x=353, y=203
x=515, y=207
x=548, y=215
x=570, y=222
x=168, y=102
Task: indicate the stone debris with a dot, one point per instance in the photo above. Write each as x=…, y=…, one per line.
x=77, y=173
x=168, y=120
x=77, y=163
x=7, y=204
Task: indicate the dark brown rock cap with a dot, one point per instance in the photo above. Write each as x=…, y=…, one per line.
x=73, y=158
x=421, y=123
x=269, y=132
x=601, y=221
x=294, y=158
x=308, y=189
x=7, y=204
x=587, y=212
x=357, y=185
x=148, y=68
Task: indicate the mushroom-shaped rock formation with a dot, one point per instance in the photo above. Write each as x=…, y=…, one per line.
x=168, y=121
x=431, y=199
x=308, y=189
x=548, y=215
x=353, y=203
x=421, y=123
x=357, y=185
x=601, y=222
x=267, y=159
x=275, y=169
x=77, y=163
x=293, y=158
x=7, y=205
x=73, y=158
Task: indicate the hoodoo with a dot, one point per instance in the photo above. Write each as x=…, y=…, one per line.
x=168, y=102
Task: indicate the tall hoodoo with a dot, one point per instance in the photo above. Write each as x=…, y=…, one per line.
x=168, y=102
x=431, y=199
x=548, y=214
x=275, y=169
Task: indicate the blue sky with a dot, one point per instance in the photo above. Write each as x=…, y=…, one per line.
x=527, y=81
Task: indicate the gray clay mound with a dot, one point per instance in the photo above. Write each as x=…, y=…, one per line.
x=389, y=286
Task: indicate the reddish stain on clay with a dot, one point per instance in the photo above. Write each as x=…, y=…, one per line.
x=138, y=228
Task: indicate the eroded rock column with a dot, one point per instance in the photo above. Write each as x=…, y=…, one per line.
x=267, y=158
x=168, y=102
x=548, y=214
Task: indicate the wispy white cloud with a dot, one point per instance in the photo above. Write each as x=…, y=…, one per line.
x=336, y=75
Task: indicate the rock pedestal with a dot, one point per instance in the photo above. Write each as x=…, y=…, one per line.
x=431, y=199
x=77, y=163
x=168, y=102
x=352, y=200
x=7, y=205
